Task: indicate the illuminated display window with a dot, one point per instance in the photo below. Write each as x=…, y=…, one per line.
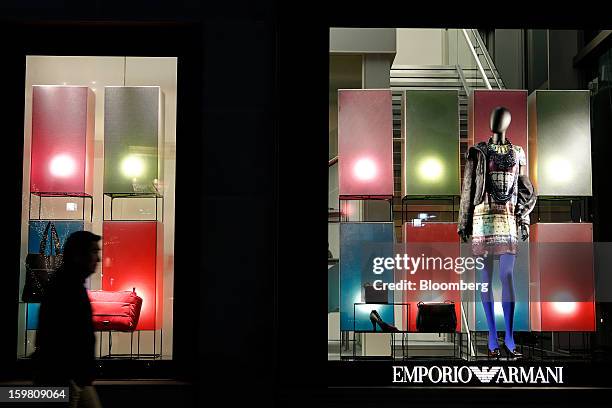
x=99, y=155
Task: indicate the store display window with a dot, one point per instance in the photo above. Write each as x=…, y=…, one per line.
x=99, y=155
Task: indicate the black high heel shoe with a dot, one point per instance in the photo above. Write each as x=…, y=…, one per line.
x=493, y=353
x=513, y=353
x=385, y=327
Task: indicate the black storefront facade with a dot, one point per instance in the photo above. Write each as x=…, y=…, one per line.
x=245, y=321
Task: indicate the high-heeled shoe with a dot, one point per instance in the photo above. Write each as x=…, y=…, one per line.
x=385, y=327
x=513, y=353
x=495, y=353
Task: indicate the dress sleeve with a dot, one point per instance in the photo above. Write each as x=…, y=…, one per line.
x=527, y=195
x=522, y=158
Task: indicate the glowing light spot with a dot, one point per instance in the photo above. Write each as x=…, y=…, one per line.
x=565, y=307
x=71, y=206
x=132, y=166
x=559, y=169
x=431, y=169
x=365, y=169
x=499, y=311
x=62, y=165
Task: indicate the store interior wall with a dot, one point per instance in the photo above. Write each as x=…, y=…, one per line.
x=562, y=48
x=98, y=72
x=509, y=57
x=417, y=46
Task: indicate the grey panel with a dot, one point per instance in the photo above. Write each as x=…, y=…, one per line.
x=131, y=129
x=431, y=145
x=362, y=40
x=561, y=134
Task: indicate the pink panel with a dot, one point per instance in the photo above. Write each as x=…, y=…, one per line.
x=562, y=295
x=132, y=258
x=365, y=143
x=432, y=239
x=62, y=139
x=481, y=104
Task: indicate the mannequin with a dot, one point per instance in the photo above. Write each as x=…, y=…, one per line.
x=496, y=200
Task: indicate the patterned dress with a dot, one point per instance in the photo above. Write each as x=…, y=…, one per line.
x=494, y=224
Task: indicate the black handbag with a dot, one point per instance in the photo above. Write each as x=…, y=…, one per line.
x=40, y=268
x=436, y=317
x=375, y=296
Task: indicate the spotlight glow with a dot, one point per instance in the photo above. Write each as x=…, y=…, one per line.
x=565, y=307
x=132, y=166
x=559, y=169
x=431, y=169
x=365, y=169
x=498, y=310
x=62, y=165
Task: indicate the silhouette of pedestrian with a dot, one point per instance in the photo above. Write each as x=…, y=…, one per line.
x=65, y=341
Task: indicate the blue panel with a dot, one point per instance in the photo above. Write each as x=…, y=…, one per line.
x=64, y=229
x=521, y=294
x=333, y=289
x=32, y=322
x=360, y=242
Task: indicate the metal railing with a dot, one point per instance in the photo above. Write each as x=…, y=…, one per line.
x=487, y=58
x=475, y=44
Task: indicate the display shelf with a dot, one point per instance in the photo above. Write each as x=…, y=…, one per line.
x=132, y=354
x=34, y=211
x=109, y=203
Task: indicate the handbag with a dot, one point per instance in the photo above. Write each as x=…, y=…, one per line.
x=436, y=317
x=115, y=310
x=40, y=267
x=375, y=296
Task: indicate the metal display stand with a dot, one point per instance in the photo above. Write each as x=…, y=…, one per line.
x=404, y=339
x=41, y=195
x=344, y=199
x=159, y=199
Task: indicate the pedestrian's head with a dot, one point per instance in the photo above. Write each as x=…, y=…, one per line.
x=82, y=253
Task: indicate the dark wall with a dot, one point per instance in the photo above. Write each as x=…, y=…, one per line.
x=509, y=57
x=563, y=45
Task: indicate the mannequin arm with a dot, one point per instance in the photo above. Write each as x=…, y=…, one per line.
x=466, y=207
x=527, y=198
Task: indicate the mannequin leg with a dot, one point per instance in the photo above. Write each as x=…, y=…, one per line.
x=488, y=303
x=506, y=270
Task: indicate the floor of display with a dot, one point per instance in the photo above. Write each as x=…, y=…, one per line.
x=444, y=347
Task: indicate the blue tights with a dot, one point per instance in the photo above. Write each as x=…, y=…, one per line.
x=506, y=268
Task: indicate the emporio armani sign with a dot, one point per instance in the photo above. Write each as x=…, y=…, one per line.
x=485, y=375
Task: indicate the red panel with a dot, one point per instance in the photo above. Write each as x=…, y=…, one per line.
x=131, y=259
x=482, y=102
x=562, y=277
x=433, y=239
x=62, y=139
x=365, y=143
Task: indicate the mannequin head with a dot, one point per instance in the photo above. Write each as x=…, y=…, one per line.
x=500, y=120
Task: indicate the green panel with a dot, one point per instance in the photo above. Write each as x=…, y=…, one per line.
x=563, y=143
x=131, y=139
x=431, y=152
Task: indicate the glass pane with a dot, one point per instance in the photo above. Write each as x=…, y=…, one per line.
x=96, y=127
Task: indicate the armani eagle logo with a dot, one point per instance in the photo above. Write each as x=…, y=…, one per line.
x=485, y=374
